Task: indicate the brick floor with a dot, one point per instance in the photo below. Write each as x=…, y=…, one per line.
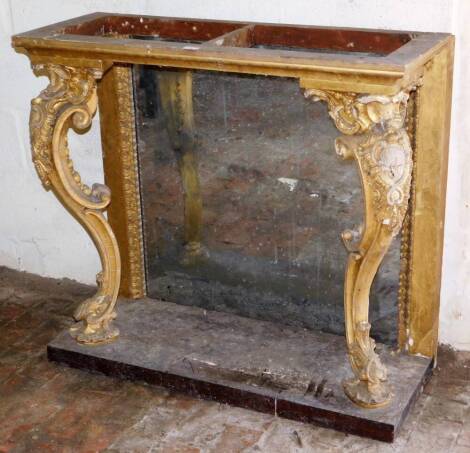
x=47, y=407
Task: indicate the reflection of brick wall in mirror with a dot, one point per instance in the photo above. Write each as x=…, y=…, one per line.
x=275, y=200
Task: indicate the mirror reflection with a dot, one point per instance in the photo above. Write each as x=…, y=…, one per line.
x=244, y=200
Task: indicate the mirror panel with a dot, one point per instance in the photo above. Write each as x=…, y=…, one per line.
x=244, y=200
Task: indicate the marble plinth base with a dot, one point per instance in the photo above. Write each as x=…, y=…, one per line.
x=287, y=371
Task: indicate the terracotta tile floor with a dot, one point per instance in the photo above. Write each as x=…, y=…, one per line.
x=46, y=407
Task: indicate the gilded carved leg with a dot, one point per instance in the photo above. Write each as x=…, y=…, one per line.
x=176, y=99
x=376, y=138
x=70, y=101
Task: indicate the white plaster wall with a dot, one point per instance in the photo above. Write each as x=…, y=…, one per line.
x=455, y=291
x=37, y=235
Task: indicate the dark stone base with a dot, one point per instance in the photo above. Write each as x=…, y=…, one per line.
x=286, y=371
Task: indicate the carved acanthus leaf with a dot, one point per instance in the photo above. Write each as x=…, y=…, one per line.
x=365, y=361
x=346, y=111
x=375, y=137
x=70, y=101
x=384, y=156
x=69, y=89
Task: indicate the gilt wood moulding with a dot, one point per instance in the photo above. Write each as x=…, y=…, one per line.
x=224, y=183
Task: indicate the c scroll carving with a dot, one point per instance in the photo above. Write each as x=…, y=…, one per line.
x=70, y=101
x=376, y=138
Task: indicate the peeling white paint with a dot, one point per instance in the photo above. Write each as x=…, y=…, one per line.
x=289, y=182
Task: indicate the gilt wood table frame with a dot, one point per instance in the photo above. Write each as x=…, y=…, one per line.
x=392, y=107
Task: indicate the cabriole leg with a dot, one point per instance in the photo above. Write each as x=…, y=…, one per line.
x=376, y=138
x=70, y=101
x=176, y=98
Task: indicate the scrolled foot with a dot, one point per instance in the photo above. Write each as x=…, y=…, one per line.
x=93, y=334
x=94, y=319
x=369, y=388
x=366, y=395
